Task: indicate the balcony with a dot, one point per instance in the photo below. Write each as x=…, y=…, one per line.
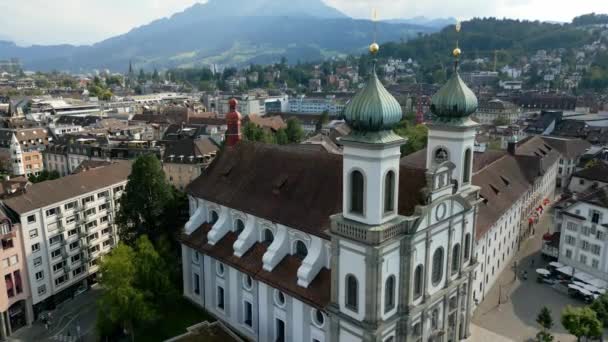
x=11, y=234
x=91, y=204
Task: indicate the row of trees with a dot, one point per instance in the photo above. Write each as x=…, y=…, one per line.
x=584, y=322
x=44, y=176
x=141, y=275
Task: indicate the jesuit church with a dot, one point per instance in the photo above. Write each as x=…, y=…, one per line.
x=287, y=243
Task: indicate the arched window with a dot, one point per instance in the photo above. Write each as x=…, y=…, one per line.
x=389, y=192
x=455, y=258
x=352, y=293
x=467, y=246
x=357, y=188
x=389, y=294
x=466, y=178
x=240, y=226
x=437, y=266
x=418, y=273
x=268, y=236
x=301, y=250
x=214, y=216
x=435, y=319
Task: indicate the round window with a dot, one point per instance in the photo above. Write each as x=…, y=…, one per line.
x=318, y=318
x=279, y=298
x=247, y=282
x=220, y=269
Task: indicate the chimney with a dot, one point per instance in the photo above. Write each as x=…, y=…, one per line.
x=233, y=121
x=512, y=145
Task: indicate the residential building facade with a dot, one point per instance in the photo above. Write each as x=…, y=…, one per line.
x=67, y=224
x=21, y=150
x=596, y=175
x=186, y=159
x=584, y=231
x=490, y=112
x=15, y=299
x=304, y=105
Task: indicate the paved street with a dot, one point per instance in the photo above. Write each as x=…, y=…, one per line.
x=522, y=299
x=68, y=318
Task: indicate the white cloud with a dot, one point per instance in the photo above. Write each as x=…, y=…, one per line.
x=88, y=21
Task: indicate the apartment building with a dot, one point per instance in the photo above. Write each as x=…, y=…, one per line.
x=15, y=298
x=496, y=109
x=65, y=156
x=186, y=159
x=304, y=105
x=67, y=225
x=584, y=234
x=21, y=150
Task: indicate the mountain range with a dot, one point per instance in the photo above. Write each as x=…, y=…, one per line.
x=226, y=32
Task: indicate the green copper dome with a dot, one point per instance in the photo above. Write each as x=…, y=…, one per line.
x=373, y=108
x=454, y=100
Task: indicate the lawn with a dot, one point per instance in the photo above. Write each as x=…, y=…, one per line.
x=174, y=321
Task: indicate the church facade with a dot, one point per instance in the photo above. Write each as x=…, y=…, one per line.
x=293, y=244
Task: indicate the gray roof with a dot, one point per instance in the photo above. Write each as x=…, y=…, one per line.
x=43, y=194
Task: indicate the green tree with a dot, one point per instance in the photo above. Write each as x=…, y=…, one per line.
x=417, y=137
x=253, y=132
x=592, y=163
x=545, y=320
x=152, y=277
x=122, y=304
x=44, y=176
x=142, y=76
x=600, y=306
x=581, y=322
x=281, y=137
x=142, y=207
x=501, y=121
x=294, y=130
x=323, y=119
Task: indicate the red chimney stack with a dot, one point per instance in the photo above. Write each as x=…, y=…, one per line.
x=233, y=120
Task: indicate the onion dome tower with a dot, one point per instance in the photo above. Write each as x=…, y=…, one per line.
x=373, y=112
x=455, y=101
x=233, y=121
x=452, y=132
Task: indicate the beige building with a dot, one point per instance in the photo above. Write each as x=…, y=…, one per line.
x=185, y=160
x=493, y=110
x=21, y=150
x=15, y=297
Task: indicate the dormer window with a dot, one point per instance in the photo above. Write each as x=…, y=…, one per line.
x=357, y=186
x=301, y=251
x=240, y=226
x=214, y=217
x=389, y=192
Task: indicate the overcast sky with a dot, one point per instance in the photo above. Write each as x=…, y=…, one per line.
x=88, y=21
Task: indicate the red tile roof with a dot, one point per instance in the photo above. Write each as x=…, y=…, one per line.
x=300, y=188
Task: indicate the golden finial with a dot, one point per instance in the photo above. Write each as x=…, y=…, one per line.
x=457, y=52
x=374, y=48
